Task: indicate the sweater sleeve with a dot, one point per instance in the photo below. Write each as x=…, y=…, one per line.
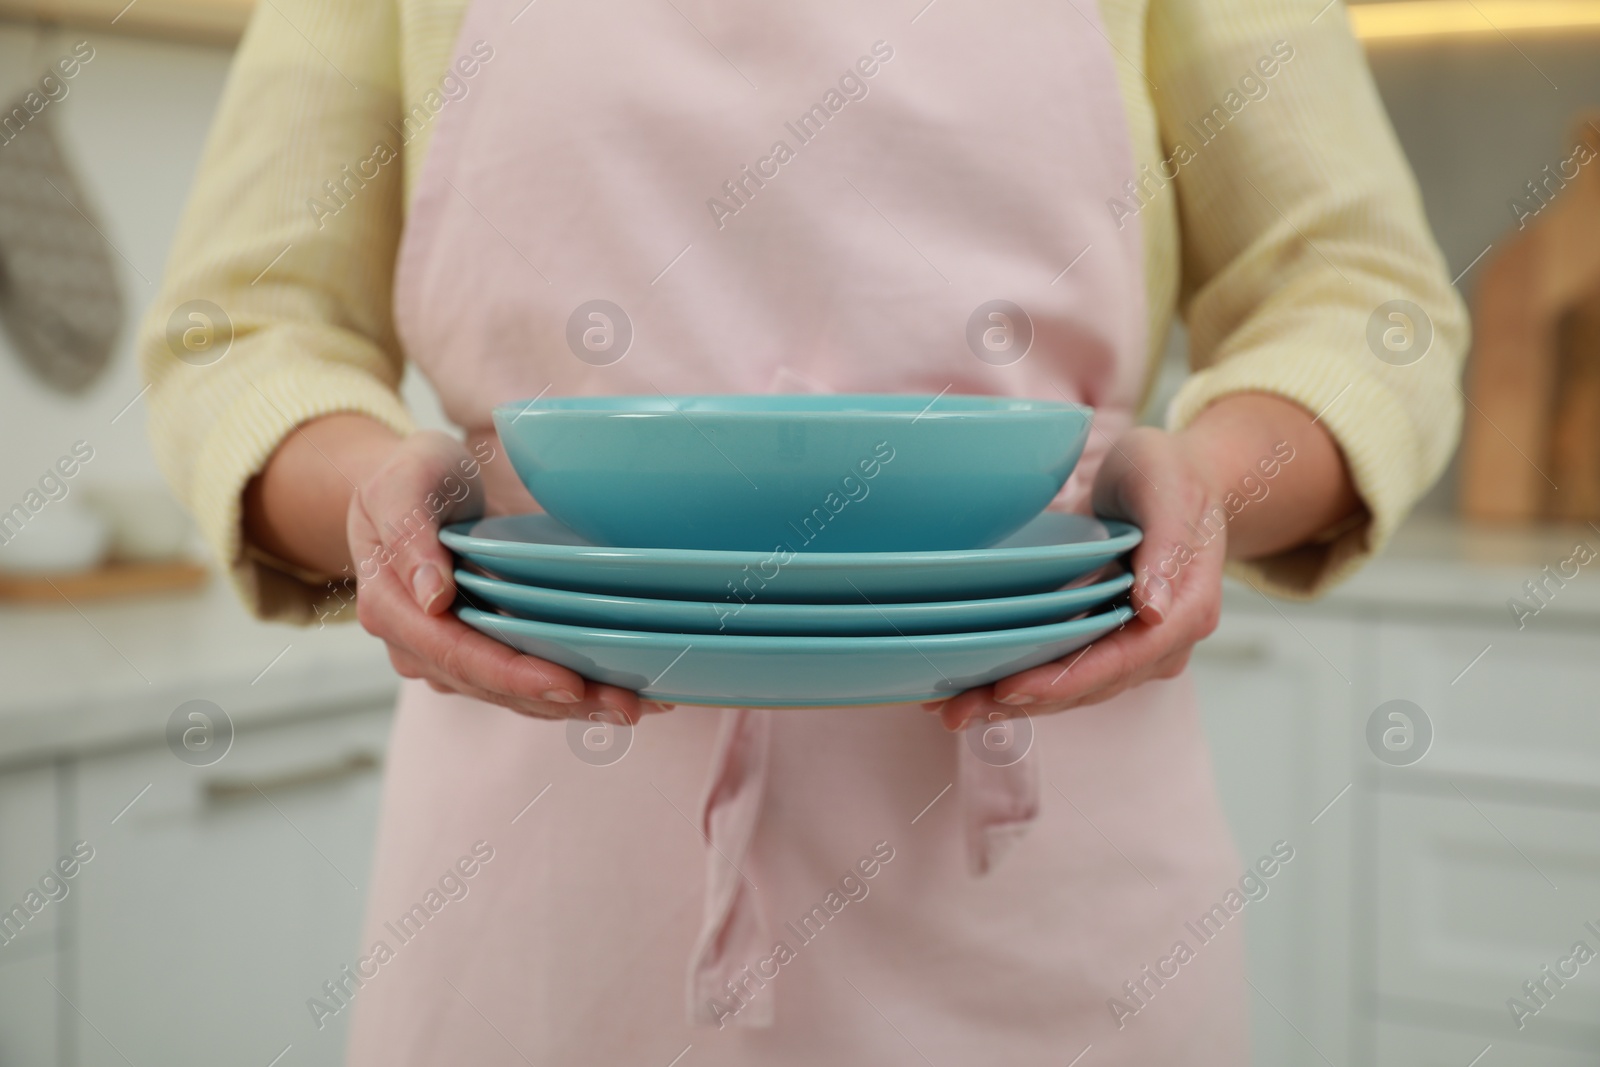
x=1303, y=237
x=275, y=308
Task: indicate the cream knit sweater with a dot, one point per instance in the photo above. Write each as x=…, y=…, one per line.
x=1278, y=215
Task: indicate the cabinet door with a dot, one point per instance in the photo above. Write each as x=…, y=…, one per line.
x=1518, y=707
x=221, y=898
x=29, y=956
x=1479, y=897
x=1277, y=696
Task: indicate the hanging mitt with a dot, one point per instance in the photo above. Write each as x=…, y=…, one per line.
x=59, y=301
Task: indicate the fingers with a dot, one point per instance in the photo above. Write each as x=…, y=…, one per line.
x=405, y=589
x=1092, y=667
x=443, y=648
x=395, y=517
x=1150, y=482
x=1136, y=651
x=1151, y=595
x=1176, y=595
x=962, y=708
x=608, y=698
x=980, y=704
x=608, y=703
x=1160, y=561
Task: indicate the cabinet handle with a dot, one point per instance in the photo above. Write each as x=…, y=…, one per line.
x=224, y=789
x=1237, y=652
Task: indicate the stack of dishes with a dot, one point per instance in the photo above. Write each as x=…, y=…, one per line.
x=793, y=551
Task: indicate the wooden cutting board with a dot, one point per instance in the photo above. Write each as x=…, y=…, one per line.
x=1575, y=435
x=1536, y=301
x=102, y=583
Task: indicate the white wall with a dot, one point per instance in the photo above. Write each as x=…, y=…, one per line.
x=134, y=123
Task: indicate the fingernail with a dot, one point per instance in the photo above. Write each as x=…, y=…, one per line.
x=1016, y=699
x=610, y=712
x=933, y=705
x=1157, y=603
x=427, y=582
x=562, y=696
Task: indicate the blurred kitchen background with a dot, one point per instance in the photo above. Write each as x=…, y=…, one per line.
x=1447, y=848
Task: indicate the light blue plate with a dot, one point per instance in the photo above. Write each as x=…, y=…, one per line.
x=726, y=670
x=822, y=473
x=1044, y=555
x=800, y=620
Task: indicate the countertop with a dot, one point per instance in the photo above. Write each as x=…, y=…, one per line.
x=1440, y=566
x=77, y=679
x=111, y=674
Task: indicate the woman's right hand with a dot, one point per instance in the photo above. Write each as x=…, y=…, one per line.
x=405, y=590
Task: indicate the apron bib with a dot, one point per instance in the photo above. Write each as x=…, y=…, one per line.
x=706, y=196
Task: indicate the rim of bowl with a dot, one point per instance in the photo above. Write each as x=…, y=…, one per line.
x=895, y=406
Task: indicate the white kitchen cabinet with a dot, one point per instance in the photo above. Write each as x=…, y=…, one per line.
x=1478, y=897
x=223, y=897
x=1526, y=713
x=30, y=1011
x=1488, y=849
x=1278, y=695
x=30, y=960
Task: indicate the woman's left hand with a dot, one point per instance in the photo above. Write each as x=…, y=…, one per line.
x=1173, y=486
x=1154, y=482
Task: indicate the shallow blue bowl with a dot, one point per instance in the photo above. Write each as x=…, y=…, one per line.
x=815, y=473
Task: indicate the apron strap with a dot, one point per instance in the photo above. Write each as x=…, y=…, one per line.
x=999, y=799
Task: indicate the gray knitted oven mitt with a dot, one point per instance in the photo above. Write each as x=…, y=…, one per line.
x=59, y=301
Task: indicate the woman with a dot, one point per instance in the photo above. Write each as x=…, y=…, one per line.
x=820, y=196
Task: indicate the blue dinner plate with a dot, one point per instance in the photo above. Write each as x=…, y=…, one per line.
x=1046, y=554
x=808, y=620
x=735, y=670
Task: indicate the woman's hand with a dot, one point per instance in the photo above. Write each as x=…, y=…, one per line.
x=405, y=590
x=392, y=496
x=1173, y=487
x=1152, y=481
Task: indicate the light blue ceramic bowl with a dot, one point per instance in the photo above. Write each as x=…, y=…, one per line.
x=815, y=473
x=723, y=670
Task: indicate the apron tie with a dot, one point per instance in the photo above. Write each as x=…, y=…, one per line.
x=999, y=789
x=734, y=932
x=999, y=800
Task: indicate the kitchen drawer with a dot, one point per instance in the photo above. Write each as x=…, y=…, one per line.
x=1525, y=711
x=29, y=1008
x=211, y=911
x=1278, y=716
x=1467, y=912
x=29, y=962
x=1416, y=1046
x=29, y=848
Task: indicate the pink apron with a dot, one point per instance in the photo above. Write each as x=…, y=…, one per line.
x=818, y=196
